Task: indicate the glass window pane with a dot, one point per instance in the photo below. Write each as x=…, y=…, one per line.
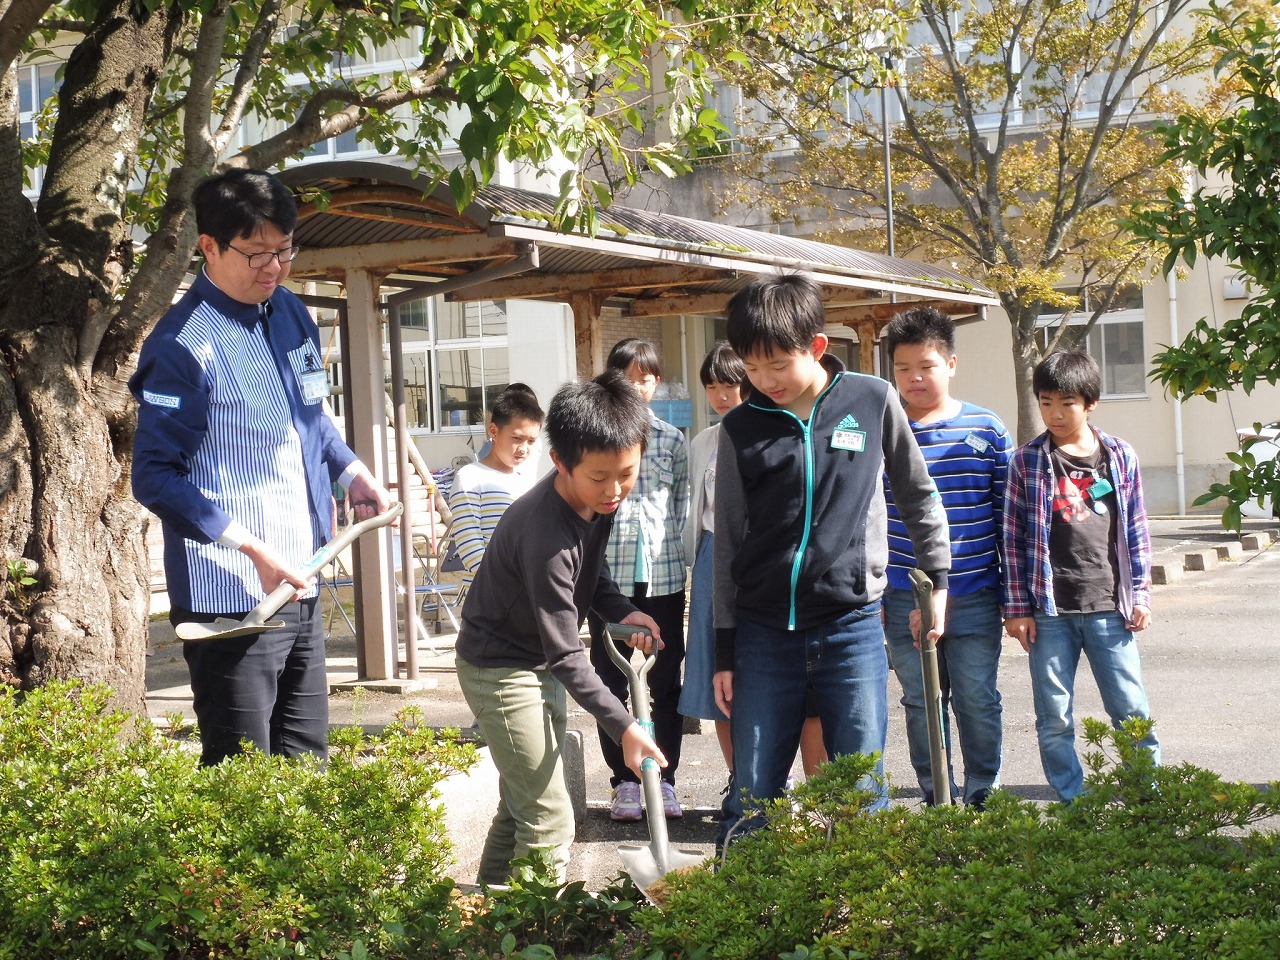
x=46, y=83
x=469, y=380
x=346, y=143
x=1122, y=357
x=451, y=321
x=417, y=405
x=1093, y=347
x=467, y=321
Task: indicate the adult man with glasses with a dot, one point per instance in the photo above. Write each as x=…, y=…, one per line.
x=236, y=453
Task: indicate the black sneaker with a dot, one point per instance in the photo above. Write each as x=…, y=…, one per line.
x=980, y=798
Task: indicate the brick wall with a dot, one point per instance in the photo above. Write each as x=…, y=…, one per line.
x=614, y=327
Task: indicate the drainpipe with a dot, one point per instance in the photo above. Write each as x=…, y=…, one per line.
x=1171, y=280
x=1179, y=457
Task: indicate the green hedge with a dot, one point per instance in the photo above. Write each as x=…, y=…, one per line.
x=115, y=843
x=1149, y=863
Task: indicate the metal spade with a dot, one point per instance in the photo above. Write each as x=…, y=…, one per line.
x=922, y=586
x=646, y=864
x=259, y=618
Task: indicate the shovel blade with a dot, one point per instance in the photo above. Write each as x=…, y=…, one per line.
x=639, y=862
x=222, y=629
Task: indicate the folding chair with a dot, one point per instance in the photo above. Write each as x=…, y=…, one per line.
x=333, y=578
x=429, y=518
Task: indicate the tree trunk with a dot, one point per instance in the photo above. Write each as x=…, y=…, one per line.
x=66, y=418
x=1026, y=354
x=65, y=503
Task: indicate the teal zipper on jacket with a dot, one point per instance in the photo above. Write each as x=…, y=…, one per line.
x=807, y=438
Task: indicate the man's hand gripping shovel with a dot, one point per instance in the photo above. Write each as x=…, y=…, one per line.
x=259, y=618
x=922, y=586
x=646, y=864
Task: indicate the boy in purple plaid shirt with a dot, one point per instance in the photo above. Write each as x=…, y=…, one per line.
x=1077, y=560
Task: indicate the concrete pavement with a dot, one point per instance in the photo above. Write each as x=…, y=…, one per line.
x=1211, y=662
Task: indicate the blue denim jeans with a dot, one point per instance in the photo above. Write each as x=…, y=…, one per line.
x=843, y=662
x=1112, y=650
x=968, y=661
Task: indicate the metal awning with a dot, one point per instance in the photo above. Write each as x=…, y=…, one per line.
x=382, y=218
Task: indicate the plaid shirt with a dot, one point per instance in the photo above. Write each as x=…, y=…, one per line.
x=1028, y=505
x=654, y=515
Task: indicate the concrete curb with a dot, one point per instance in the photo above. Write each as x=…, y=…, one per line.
x=1200, y=561
x=1165, y=573
x=1168, y=569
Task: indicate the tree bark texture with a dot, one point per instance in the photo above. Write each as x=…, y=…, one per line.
x=66, y=420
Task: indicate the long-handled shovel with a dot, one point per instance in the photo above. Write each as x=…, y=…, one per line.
x=259, y=618
x=922, y=586
x=646, y=864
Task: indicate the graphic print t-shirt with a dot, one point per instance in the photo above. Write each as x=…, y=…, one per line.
x=1082, y=535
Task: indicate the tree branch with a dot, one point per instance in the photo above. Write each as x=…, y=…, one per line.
x=246, y=72
x=18, y=18
x=313, y=127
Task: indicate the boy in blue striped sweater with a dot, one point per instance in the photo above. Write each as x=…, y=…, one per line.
x=967, y=450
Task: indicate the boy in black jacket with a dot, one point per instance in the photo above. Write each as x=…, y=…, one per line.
x=801, y=542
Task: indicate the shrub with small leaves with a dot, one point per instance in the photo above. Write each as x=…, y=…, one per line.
x=536, y=917
x=115, y=843
x=1150, y=862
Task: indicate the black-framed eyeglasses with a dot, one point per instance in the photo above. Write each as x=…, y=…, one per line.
x=259, y=260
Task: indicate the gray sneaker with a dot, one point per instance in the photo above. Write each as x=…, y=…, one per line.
x=626, y=803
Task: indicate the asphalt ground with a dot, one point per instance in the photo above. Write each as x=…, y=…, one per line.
x=1211, y=662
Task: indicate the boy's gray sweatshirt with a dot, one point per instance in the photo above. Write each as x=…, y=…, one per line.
x=801, y=534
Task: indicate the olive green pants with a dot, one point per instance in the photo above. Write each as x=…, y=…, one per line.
x=522, y=715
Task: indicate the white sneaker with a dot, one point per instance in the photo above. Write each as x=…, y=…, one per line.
x=670, y=805
x=626, y=802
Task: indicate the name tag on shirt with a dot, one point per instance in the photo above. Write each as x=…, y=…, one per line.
x=855, y=441
x=977, y=443
x=314, y=385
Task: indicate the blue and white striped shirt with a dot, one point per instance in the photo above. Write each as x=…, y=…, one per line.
x=479, y=497
x=228, y=447
x=967, y=456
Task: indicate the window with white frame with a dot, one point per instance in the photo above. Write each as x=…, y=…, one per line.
x=36, y=84
x=383, y=59
x=1116, y=340
x=456, y=362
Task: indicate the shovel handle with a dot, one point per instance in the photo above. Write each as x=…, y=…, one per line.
x=278, y=597
x=922, y=587
x=637, y=679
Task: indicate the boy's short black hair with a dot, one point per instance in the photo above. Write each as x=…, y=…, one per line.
x=517, y=402
x=642, y=353
x=923, y=325
x=722, y=365
x=1068, y=372
x=606, y=414
x=782, y=312
x=237, y=203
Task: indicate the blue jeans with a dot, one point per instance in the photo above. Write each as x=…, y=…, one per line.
x=968, y=660
x=843, y=662
x=1112, y=650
